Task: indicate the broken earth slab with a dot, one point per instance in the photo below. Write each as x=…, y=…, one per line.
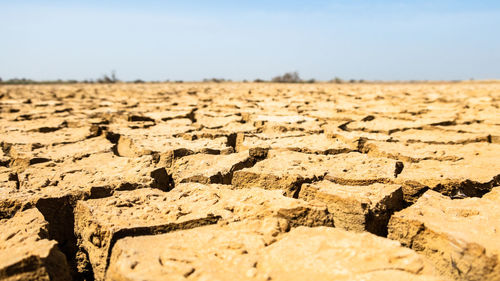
x=287, y=170
x=270, y=135
x=488, y=114
x=331, y=112
x=263, y=250
x=229, y=131
x=217, y=121
x=63, y=136
x=168, y=148
x=215, y=252
x=460, y=237
x=353, y=138
x=284, y=170
x=437, y=136
x=324, y=253
x=283, y=123
x=384, y=125
x=208, y=168
x=360, y=169
x=415, y=152
x=463, y=178
x=27, y=253
x=160, y=130
x=99, y=223
x=41, y=125
x=314, y=144
x=166, y=115
x=101, y=172
x=24, y=155
x=19, y=145
x=282, y=118
x=477, y=128
x=335, y=132
x=357, y=208
x=309, y=127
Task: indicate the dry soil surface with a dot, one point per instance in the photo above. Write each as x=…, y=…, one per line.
x=242, y=181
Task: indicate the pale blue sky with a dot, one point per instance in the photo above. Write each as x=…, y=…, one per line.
x=192, y=40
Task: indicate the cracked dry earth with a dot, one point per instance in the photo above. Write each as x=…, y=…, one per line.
x=250, y=182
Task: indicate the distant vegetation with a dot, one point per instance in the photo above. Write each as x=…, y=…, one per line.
x=291, y=77
x=24, y=81
x=216, y=80
x=105, y=79
x=337, y=80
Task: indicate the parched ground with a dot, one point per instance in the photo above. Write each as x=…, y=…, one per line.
x=258, y=181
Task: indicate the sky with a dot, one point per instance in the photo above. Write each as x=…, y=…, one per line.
x=193, y=40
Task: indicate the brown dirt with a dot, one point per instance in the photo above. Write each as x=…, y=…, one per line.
x=238, y=181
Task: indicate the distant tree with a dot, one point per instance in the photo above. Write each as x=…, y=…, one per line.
x=19, y=81
x=216, y=80
x=289, y=77
x=258, y=80
x=337, y=80
x=138, y=81
x=105, y=79
x=1, y=80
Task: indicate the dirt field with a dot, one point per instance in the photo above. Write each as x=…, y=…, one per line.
x=259, y=181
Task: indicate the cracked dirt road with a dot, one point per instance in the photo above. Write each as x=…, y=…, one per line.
x=250, y=181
